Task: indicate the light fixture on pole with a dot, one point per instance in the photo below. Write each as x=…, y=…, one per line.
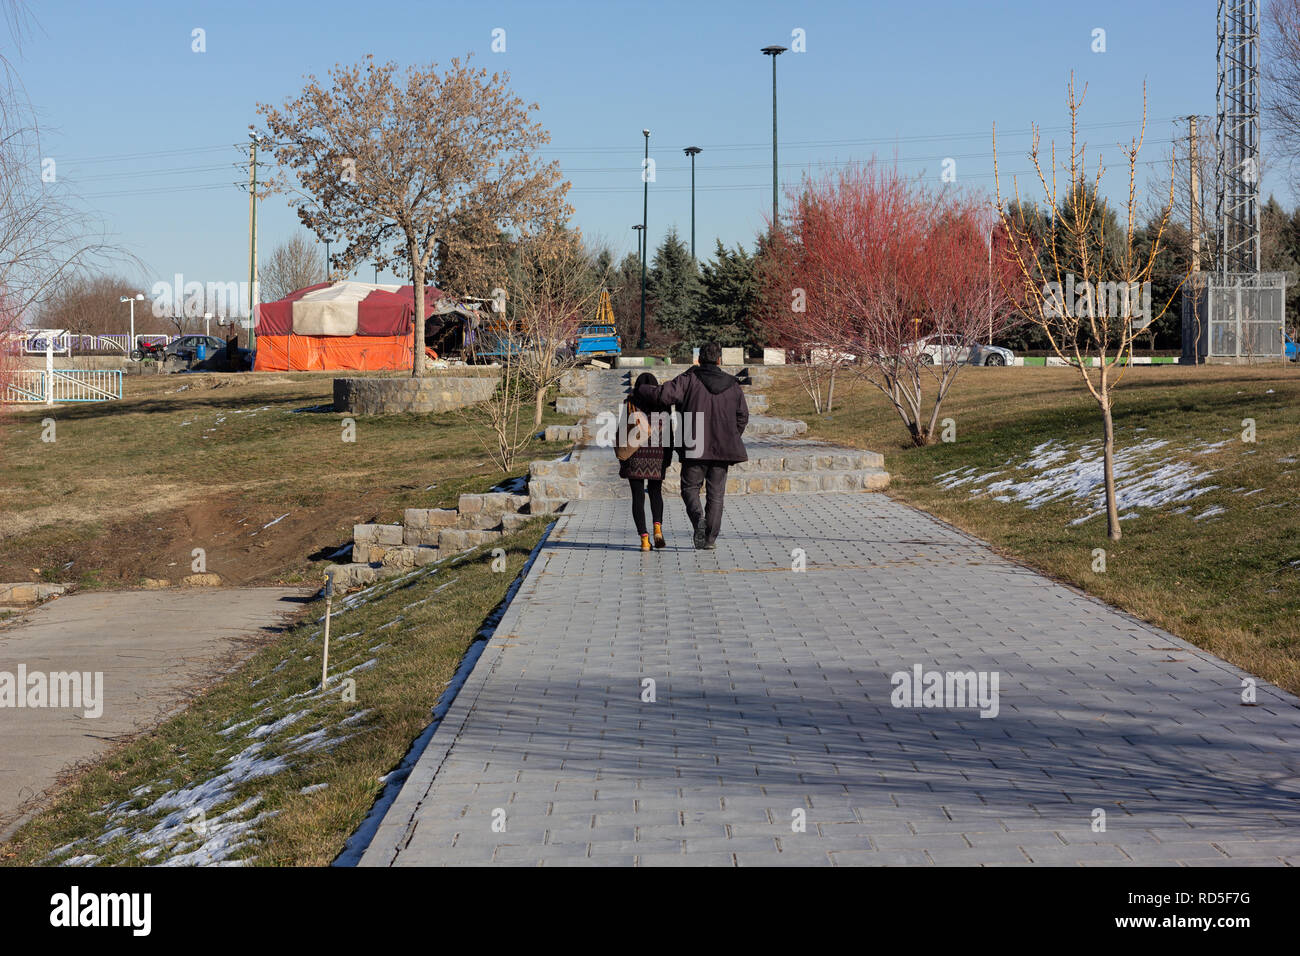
x=773, y=52
x=640, y=235
x=327, y=258
x=645, y=236
x=692, y=151
x=207, y=323
x=133, y=299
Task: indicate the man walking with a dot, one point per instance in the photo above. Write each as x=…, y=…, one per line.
x=714, y=415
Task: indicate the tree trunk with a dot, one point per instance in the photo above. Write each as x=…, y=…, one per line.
x=1108, y=459
x=830, y=397
x=541, y=406
x=417, y=281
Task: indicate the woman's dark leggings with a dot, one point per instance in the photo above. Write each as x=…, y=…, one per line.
x=639, y=488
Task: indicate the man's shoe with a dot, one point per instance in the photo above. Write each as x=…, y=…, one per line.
x=700, y=535
x=710, y=546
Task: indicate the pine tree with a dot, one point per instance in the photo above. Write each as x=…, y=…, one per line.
x=728, y=291
x=673, y=285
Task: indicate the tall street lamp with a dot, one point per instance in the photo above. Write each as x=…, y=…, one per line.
x=133, y=299
x=692, y=151
x=645, y=236
x=327, y=258
x=773, y=52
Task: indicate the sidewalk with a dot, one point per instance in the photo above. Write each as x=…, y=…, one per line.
x=773, y=695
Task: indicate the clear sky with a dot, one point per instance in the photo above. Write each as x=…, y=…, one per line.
x=144, y=129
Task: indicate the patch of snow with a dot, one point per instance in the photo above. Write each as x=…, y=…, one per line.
x=1210, y=512
x=275, y=727
x=226, y=732
x=314, y=788
x=277, y=520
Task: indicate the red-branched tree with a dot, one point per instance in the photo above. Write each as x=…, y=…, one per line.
x=891, y=281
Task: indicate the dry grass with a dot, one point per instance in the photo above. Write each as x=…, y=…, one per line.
x=1230, y=584
x=438, y=611
x=184, y=458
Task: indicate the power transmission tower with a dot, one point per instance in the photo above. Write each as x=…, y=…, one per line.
x=1237, y=182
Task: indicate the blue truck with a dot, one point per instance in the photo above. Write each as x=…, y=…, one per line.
x=597, y=341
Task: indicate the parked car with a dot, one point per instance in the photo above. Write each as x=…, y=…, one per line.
x=990, y=355
x=948, y=349
x=187, y=347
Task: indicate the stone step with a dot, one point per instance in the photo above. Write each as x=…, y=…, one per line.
x=760, y=426
x=763, y=458
x=749, y=483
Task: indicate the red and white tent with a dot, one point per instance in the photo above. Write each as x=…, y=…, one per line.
x=346, y=325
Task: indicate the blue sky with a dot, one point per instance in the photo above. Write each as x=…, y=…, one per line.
x=144, y=129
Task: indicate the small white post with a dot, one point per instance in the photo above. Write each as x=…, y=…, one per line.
x=49, y=369
x=325, y=658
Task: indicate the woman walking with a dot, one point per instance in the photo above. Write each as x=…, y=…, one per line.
x=645, y=459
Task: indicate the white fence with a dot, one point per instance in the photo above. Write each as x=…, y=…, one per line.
x=29, y=386
x=66, y=343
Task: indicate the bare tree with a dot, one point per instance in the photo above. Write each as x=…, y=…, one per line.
x=393, y=165
x=1088, y=316
x=553, y=292
x=891, y=281
x=499, y=423
x=293, y=265
x=1281, y=65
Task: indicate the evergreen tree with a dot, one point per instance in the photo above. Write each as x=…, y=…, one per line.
x=673, y=285
x=728, y=291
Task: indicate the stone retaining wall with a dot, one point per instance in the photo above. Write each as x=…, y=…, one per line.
x=428, y=393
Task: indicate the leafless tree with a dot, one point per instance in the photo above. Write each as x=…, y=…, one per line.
x=1281, y=66
x=293, y=265
x=553, y=291
x=1093, y=329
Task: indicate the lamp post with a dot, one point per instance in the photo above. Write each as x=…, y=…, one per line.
x=773, y=52
x=645, y=236
x=207, y=323
x=327, y=258
x=692, y=151
x=133, y=299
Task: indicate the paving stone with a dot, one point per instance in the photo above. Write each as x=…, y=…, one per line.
x=773, y=692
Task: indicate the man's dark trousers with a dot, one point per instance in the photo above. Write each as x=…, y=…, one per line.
x=712, y=474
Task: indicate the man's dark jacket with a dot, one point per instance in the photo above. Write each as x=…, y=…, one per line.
x=717, y=405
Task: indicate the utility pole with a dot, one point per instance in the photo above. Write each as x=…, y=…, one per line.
x=252, y=239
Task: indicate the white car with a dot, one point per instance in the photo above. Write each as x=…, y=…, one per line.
x=990, y=355
x=948, y=349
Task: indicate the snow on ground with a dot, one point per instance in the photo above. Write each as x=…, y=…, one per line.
x=1148, y=474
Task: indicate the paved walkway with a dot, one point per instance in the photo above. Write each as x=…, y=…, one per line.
x=152, y=648
x=773, y=696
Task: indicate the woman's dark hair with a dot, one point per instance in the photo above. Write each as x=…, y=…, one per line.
x=645, y=378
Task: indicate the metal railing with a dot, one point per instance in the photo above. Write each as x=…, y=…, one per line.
x=28, y=386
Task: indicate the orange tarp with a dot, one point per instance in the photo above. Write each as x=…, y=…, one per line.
x=324, y=353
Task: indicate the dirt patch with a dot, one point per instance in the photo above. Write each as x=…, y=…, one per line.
x=245, y=546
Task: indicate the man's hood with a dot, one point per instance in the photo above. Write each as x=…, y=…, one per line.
x=715, y=379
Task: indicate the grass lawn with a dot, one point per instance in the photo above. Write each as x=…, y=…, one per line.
x=1220, y=569
x=281, y=774
x=251, y=468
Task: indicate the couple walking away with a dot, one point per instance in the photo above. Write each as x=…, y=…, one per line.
x=713, y=416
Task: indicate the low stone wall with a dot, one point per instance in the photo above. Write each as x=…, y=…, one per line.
x=429, y=393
